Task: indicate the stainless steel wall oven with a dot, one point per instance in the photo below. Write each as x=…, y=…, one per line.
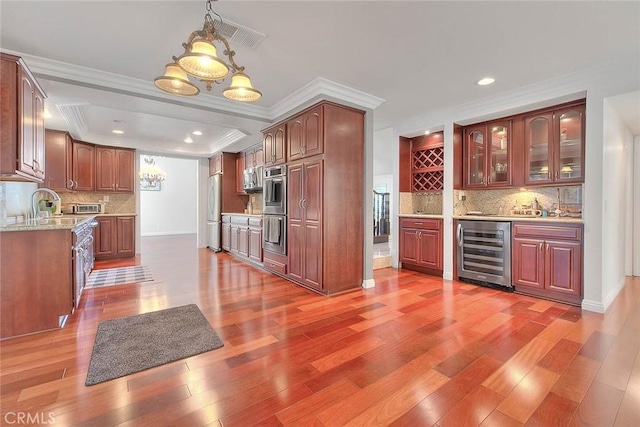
x=274, y=193
x=484, y=253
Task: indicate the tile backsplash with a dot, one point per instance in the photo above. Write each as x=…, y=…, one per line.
x=490, y=201
x=118, y=202
x=427, y=203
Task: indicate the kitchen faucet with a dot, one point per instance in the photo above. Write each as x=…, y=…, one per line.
x=34, y=204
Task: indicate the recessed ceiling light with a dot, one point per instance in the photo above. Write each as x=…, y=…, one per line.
x=188, y=140
x=47, y=113
x=197, y=132
x=486, y=81
x=118, y=131
x=426, y=132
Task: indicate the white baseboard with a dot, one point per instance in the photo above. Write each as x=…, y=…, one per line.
x=368, y=283
x=613, y=294
x=447, y=276
x=594, y=306
x=601, y=307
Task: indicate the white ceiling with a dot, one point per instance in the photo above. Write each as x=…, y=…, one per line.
x=96, y=60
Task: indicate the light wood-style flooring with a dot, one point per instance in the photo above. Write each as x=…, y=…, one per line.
x=414, y=351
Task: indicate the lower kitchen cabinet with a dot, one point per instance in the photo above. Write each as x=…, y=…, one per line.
x=242, y=236
x=547, y=261
x=421, y=244
x=115, y=237
x=36, y=279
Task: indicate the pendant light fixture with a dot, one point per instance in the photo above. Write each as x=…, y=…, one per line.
x=150, y=174
x=200, y=60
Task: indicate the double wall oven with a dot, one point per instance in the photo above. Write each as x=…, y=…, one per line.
x=274, y=210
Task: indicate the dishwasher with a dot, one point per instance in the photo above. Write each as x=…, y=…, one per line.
x=484, y=253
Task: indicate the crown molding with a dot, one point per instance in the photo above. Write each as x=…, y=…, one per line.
x=324, y=87
x=110, y=82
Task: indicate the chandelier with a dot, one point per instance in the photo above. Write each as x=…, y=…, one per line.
x=200, y=60
x=150, y=173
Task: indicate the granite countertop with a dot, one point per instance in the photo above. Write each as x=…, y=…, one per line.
x=519, y=218
x=68, y=222
x=421, y=215
x=242, y=214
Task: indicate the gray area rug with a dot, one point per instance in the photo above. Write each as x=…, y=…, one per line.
x=135, y=343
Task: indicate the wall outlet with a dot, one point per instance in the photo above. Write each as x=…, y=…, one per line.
x=462, y=196
x=105, y=198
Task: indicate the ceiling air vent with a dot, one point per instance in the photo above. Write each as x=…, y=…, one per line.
x=237, y=34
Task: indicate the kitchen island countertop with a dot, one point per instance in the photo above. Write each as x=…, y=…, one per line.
x=68, y=222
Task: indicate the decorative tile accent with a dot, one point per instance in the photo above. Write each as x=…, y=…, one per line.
x=118, y=202
x=490, y=201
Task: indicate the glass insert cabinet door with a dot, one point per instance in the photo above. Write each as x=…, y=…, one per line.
x=475, y=147
x=570, y=137
x=538, y=140
x=499, y=150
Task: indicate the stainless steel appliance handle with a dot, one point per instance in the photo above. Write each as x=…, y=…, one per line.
x=459, y=235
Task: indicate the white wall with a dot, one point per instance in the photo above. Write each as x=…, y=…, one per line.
x=616, y=141
x=173, y=209
x=636, y=207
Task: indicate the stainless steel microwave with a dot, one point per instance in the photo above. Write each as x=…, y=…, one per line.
x=83, y=208
x=252, y=180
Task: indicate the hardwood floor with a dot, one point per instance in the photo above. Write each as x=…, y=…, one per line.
x=413, y=351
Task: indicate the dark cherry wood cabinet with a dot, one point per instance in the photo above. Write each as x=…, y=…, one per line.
x=421, y=244
x=215, y=164
x=305, y=182
x=274, y=142
x=36, y=279
x=488, y=154
x=554, y=146
x=305, y=135
x=242, y=236
x=22, y=116
x=82, y=166
x=427, y=163
x=325, y=225
x=114, y=169
x=547, y=261
x=240, y=166
x=58, y=146
x=254, y=156
x=115, y=237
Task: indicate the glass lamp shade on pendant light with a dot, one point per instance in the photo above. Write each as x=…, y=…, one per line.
x=241, y=89
x=176, y=81
x=201, y=61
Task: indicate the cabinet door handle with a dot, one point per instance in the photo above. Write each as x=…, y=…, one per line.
x=70, y=184
x=556, y=174
x=460, y=235
x=419, y=235
x=547, y=248
x=304, y=203
x=540, y=245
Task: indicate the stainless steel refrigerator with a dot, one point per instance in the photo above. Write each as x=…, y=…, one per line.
x=214, y=212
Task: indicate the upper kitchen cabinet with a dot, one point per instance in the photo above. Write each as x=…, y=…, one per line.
x=274, y=145
x=22, y=116
x=215, y=164
x=554, y=146
x=58, y=146
x=304, y=134
x=82, y=166
x=488, y=155
x=114, y=169
x=254, y=157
